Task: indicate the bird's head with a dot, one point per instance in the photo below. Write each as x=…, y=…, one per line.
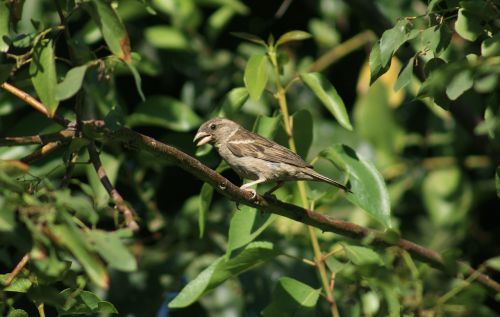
x=215, y=131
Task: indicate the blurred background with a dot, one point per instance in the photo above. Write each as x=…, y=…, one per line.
x=439, y=174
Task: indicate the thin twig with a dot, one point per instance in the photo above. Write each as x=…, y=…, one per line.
x=42, y=152
x=336, y=53
x=120, y=203
x=37, y=139
x=37, y=105
x=20, y=265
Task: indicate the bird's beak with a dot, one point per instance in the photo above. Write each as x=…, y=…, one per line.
x=202, y=138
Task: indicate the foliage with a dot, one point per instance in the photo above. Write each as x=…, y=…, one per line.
x=410, y=123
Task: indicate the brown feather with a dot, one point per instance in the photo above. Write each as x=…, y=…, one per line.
x=245, y=143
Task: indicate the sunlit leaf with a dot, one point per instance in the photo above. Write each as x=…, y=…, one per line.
x=112, y=28
x=491, y=46
x=71, y=84
x=292, y=36
x=4, y=26
x=367, y=185
x=361, y=255
x=17, y=313
x=43, y=74
x=467, y=25
x=249, y=37
x=291, y=298
x=447, y=195
x=256, y=75
x=166, y=37
x=233, y=101
x=18, y=284
x=460, y=83
x=328, y=96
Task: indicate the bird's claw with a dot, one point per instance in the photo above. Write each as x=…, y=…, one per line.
x=253, y=191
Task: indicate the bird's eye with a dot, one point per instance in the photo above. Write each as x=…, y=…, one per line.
x=213, y=126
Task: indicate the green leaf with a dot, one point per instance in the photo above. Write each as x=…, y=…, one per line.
x=393, y=38
x=460, y=83
x=303, y=131
x=249, y=37
x=468, y=26
x=392, y=298
x=447, y=195
x=219, y=20
x=71, y=238
x=205, y=200
x=164, y=112
x=292, y=298
x=84, y=302
x=17, y=313
x=137, y=80
x=111, y=248
x=43, y=74
x=323, y=33
x=222, y=269
x=362, y=255
x=328, y=96
x=18, y=284
x=439, y=74
x=233, y=101
x=292, y=36
x=377, y=69
x=4, y=26
x=166, y=37
x=367, y=185
x=491, y=46
x=494, y=263
x=256, y=75
x=112, y=29
x=405, y=75
x=71, y=83
x=245, y=226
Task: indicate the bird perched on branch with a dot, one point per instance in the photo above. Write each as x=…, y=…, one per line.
x=256, y=158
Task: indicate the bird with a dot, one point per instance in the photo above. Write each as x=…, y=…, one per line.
x=255, y=157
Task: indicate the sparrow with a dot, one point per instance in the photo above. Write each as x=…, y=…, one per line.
x=256, y=158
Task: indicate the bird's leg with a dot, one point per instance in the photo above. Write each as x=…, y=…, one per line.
x=254, y=193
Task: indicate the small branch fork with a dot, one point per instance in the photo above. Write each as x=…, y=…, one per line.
x=140, y=142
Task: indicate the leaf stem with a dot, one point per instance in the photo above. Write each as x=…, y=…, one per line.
x=318, y=255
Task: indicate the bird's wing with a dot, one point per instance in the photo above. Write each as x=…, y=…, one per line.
x=245, y=143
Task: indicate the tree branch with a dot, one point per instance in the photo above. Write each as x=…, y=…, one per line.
x=37, y=139
x=120, y=203
x=268, y=204
x=43, y=151
x=37, y=105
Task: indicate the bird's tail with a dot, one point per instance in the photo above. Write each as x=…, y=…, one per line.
x=318, y=177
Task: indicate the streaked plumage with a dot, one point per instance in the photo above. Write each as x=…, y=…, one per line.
x=254, y=157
